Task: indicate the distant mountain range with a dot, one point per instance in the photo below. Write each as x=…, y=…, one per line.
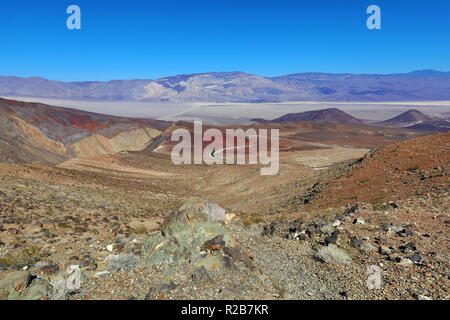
x=243, y=87
x=411, y=119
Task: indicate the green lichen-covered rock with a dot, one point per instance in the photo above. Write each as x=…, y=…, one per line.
x=184, y=234
x=21, y=286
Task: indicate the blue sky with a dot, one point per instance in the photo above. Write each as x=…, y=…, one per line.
x=137, y=39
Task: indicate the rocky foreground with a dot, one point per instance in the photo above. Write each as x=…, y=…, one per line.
x=200, y=252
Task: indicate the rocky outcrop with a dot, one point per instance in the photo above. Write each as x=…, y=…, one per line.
x=197, y=233
x=133, y=140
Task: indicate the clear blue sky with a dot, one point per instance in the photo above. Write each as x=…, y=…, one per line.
x=129, y=39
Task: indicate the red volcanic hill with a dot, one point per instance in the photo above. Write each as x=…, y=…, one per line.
x=400, y=170
x=38, y=132
x=406, y=119
x=325, y=115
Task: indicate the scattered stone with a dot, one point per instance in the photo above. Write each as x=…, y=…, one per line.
x=49, y=269
x=201, y=275
x=405, y=249
x=392, y=205
x=416, y=258
x=358, y=221
x=110, y=247
x=384, y=250
x=405, y=262
x=12, y=231
x=150, y=294
x=357, y=243
x=102, y=274
x=421, y=297
x=336, y=223
x=168, y=287
x=384, y=226
x=351, y=210
x=238, y=253
x=397, y=229
x=310, y=231
x=89, y=263
x=333, y=238
x=302, y=236
x=215, y=244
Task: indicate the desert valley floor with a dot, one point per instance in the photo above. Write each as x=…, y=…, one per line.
x=349, y=199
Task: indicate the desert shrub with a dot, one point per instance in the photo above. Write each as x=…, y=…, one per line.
x=26, y=256
x=122, y=262
x=333, y=253
x=280, y=289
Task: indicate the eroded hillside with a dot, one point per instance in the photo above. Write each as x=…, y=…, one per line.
x=37, y=132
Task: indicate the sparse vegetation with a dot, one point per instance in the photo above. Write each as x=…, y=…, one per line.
x=280, y=289
x=333, y=253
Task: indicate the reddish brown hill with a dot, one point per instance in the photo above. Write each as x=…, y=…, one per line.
x=406, y=119
x=413, y=167
x=325, y=115
x=38, y=132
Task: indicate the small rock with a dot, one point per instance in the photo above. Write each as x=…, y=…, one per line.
x=150, y=294
x=357, y=243
x=333, y=238
x=12, y=231
x=416, y=258
x=102, y=274
x=384, y=226
x=168, y=287
x=201, y=275
x=110, y=247
x=49, y=269
x=405, y=262
x=421, y=297
x=397, y=229
x=351, y=210
x=358, y=221
x=336, y=223
x=384, y=250
x=393, y=205
x=405, y=249
x=302, y=237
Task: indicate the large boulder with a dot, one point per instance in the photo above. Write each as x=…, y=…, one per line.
x=21, y=285
x=197, y=233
